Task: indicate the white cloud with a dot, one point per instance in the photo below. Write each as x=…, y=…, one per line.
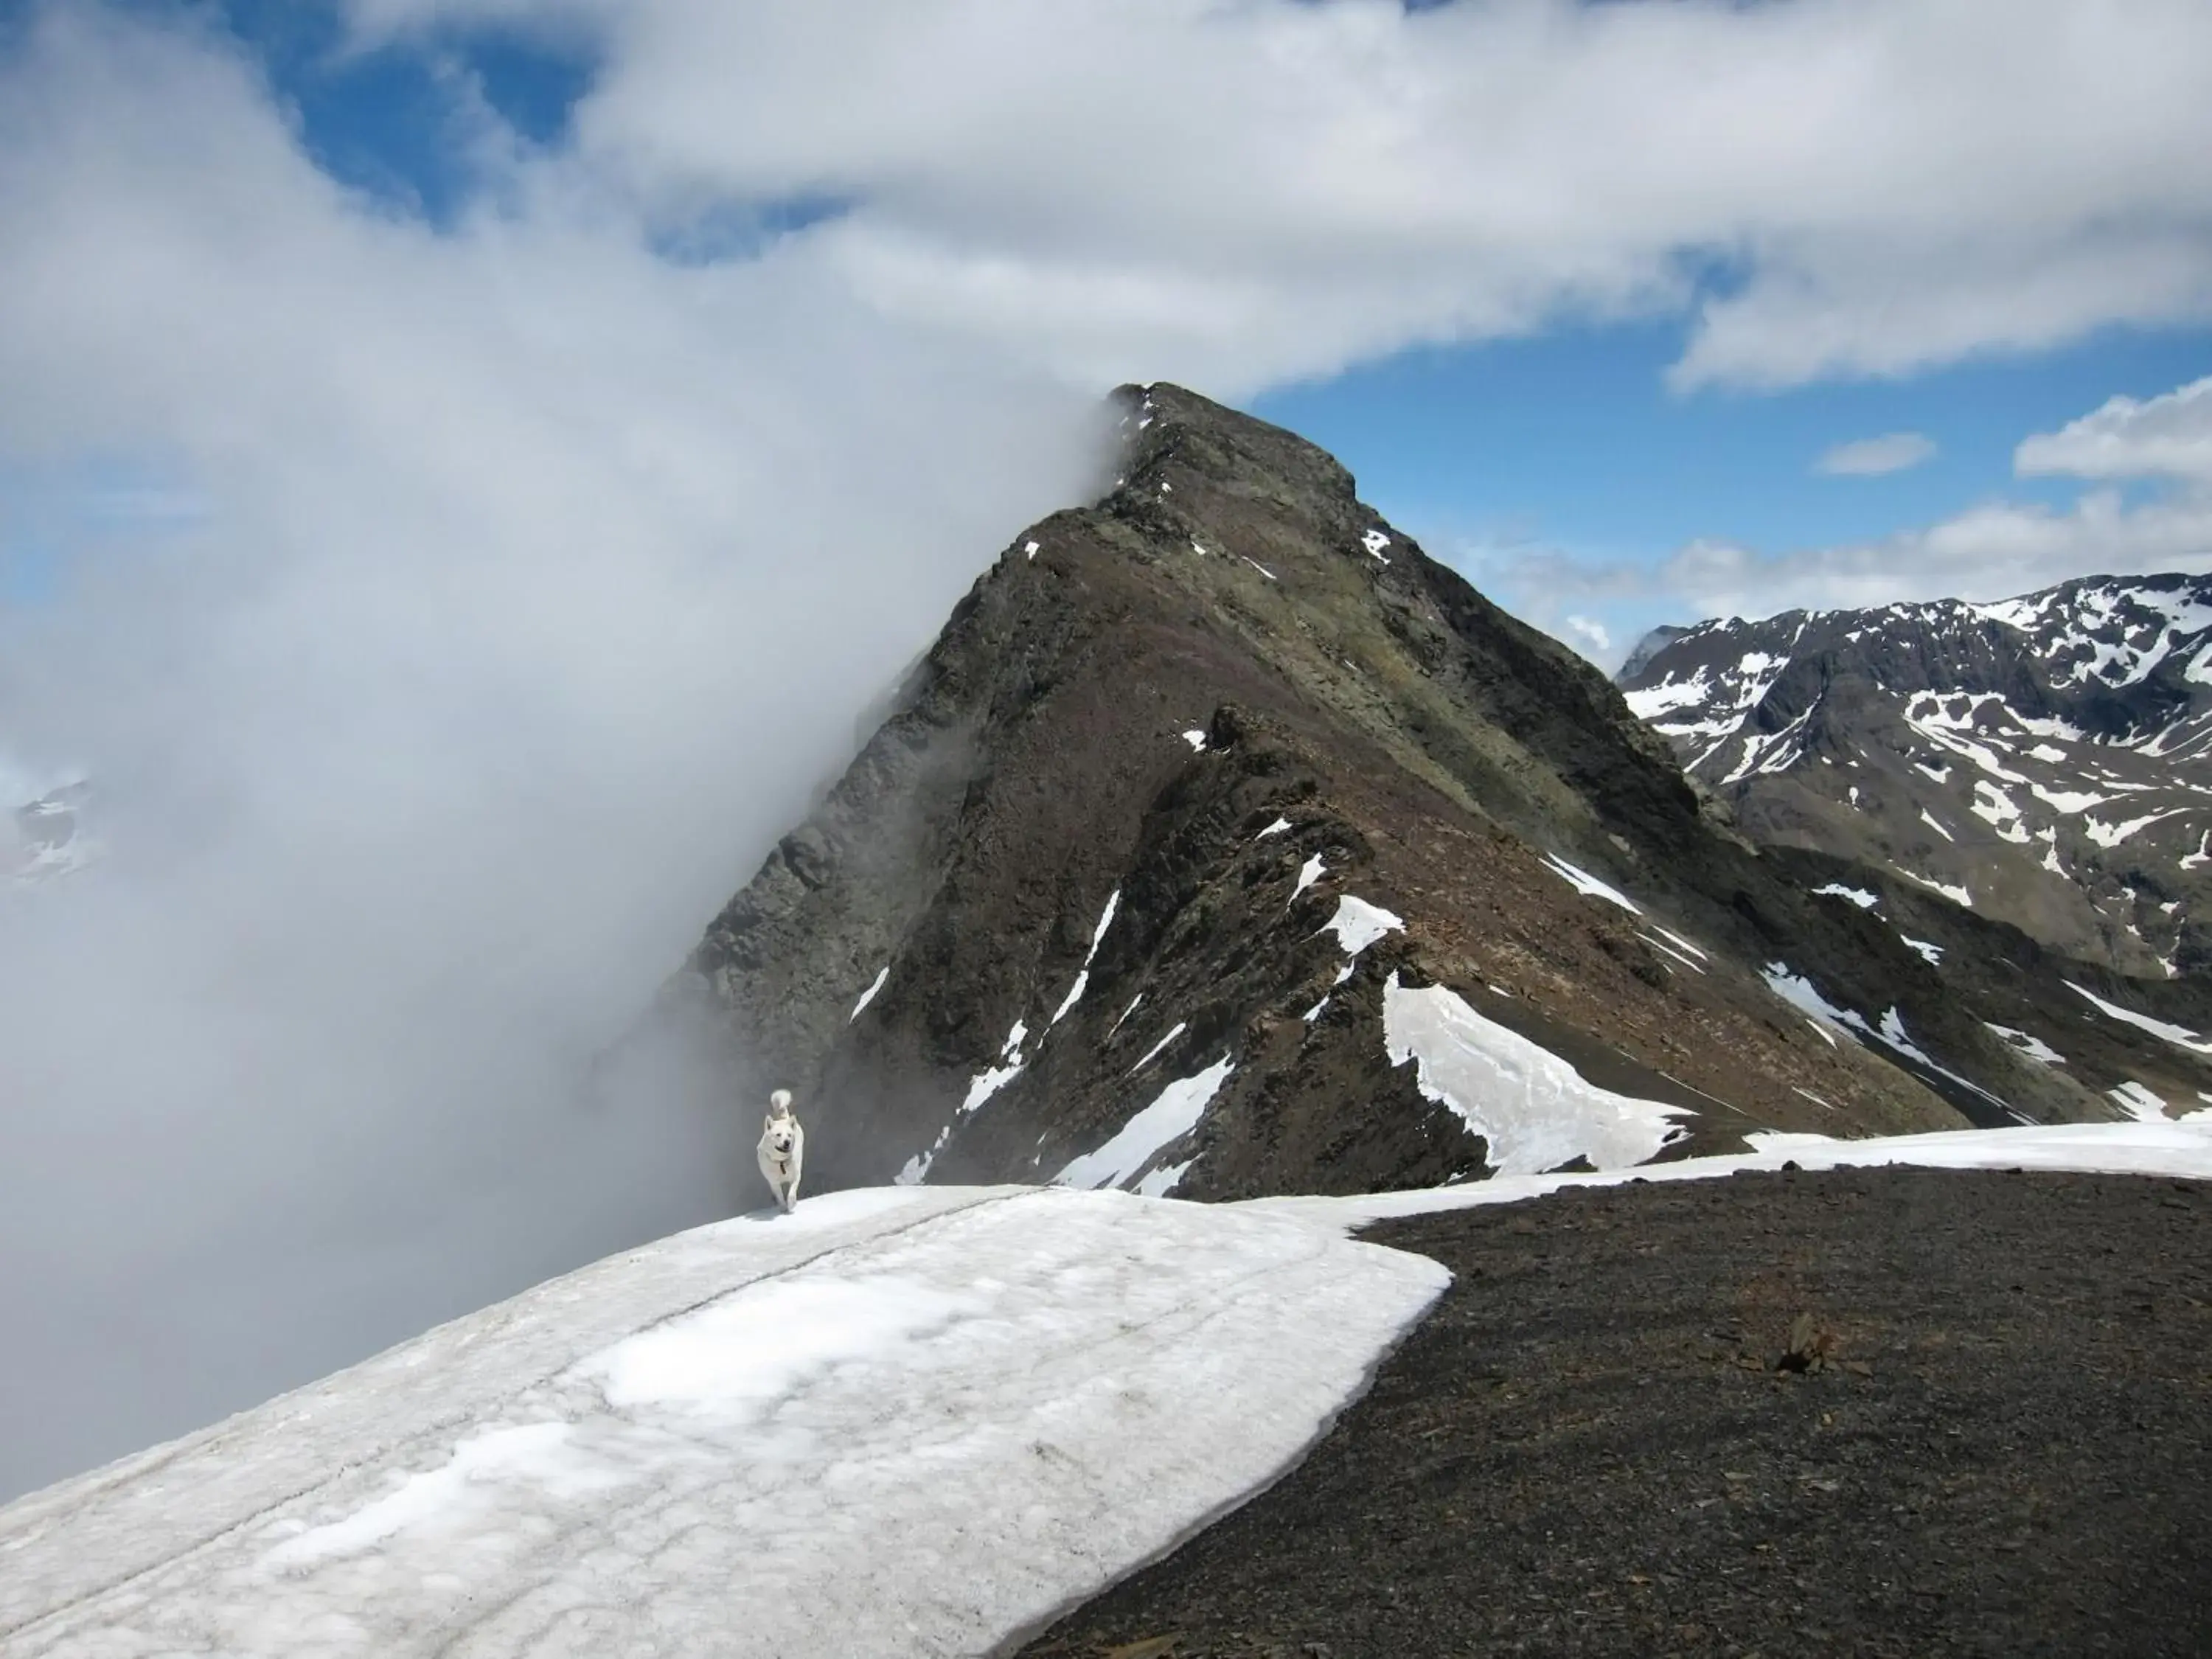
x=2168, y=436
x=1872, y=457
x=532, y=583
x=1992, y=550
x=1988, y=552
x=1231, y=194
x=1592, y=634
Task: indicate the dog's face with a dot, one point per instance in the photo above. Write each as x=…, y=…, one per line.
x=780, y=1136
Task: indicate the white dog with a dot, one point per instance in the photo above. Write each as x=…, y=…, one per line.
x=782, y=1150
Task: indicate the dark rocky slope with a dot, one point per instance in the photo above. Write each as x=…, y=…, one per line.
x=1230, y=704
x=1893, y=1412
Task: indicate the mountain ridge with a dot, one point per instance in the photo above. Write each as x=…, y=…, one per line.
x=2048, y=757
x=1222, y=832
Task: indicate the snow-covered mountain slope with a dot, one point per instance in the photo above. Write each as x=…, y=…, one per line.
x=1224, y=844
x=2046, y=760
x=909, y=1421
x=899, y=1421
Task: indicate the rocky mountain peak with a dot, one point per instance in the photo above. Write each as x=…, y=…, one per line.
x=1164, y=423
x=1224, y=843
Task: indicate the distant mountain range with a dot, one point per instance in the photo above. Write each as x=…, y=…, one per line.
x=1225, y=844
x=2046, y=761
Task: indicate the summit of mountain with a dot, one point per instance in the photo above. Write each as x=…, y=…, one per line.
x=1223, y=844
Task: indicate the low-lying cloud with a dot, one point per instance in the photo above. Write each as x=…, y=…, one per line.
x=532, y=584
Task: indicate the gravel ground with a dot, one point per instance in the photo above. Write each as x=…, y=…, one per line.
x=1883, y=1412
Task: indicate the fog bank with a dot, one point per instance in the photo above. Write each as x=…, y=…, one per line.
x=449, y=620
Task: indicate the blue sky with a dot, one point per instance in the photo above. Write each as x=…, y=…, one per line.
x=1571, y=439
x=1574, y=438
x=1560, y=455
x=1574, y=441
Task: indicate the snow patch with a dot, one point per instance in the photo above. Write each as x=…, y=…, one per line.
x=1533, y=1110
x=1800, y=994
x=2139, y=1103
x=1893, y=1033
x=869, y=995
x=2182, y=1148
x=1173, y=1115
x=1358, y=925
x=1958, y=896
x=1152, y=1053
x=1653, y=700
x=2179, y=1036
x=1158, y=1182
x=2112, y=835
x=1587, y=885
x=2033, y=1048
x=1858, y=895
x=1661, y=945
x=1083, y=975
x=1074, y=995
x=2067, y=801
x=1105, y=921
x=981, y=1088
x=1126, y=1012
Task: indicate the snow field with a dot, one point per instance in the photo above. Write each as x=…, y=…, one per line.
x=900, y=1421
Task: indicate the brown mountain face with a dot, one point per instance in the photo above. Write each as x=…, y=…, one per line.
x=1225, y=844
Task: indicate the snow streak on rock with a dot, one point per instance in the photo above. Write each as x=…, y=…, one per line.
x=1534, y=1110
x=869, y=995
x=1589, y=885
x=1173, y=1114
x=2179, y=1036
x=2180, y=1148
